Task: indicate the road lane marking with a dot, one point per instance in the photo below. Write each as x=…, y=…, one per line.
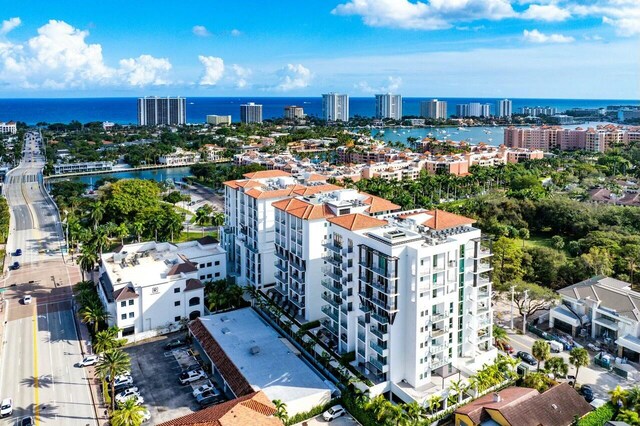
x=35, y=366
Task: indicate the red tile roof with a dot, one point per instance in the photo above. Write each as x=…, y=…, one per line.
x=445, y=220
x=193, y=284
x=265, y=174
x=254, y=409
x=184, y=268
x=512, y=395
x=303, y=210
x=357, y=221
x=125, y=293
x=379, y=204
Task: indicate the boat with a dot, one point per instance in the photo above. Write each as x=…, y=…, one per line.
x=487, y=131
x=462, y=129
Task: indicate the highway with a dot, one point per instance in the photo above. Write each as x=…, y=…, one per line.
x=40, y=345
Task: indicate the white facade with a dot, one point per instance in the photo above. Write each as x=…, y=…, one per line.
x=153, y=111
x=212, y=152
x=433, y=109
x=218, y=120
x=149, y=288
x=504, y=108
x=10, y=127
x=91, y=166
x=335, y=107
x=389, y=106
x=251, y=113
x=180, y=158
x=293, y=112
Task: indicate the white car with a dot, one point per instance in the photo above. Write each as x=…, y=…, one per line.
x=123, y=380
x=201, y=389
x=26, y=300
x=333, y=413
x=126, y=394
x=191, y=376
x=89, y=360
x=146, y=415
x=6, y=407
x=137, y=398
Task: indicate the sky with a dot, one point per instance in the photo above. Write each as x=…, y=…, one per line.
x=578, y=49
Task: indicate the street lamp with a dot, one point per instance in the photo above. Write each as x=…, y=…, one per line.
x=524, y=314
x=513, y=290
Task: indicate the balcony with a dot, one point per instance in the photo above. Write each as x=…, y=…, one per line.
x=282, y=256
x=380, y=349
x=296, y=264
x=386, y=289
x=438, y=317
x=387, y=306
x=281, y=289
x=346, y=251
x=297, y=278
x=332, y=259
x=335, y=302
x=439, y=362
x=437, y=284
x=329, y=284
x=361, y=336
x=329, y=326
x=374, y=269
x=382, y=368
x=298, y=289
x=436, y=349
x=483, y=267
x=331, y=245
x=438, y=332
x=329, y=271
x=482, y=253
x=482, y=281
x=282, y=277
x=299, y=303
x=330, y=312
x=483, y=308
x=281, y=266
x=361, y=321
x=381, y=319
x=379, y=334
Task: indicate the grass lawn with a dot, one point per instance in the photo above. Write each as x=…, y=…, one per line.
x=194, y=235
x=538, y=241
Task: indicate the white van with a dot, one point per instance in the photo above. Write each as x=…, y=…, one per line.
x=556, y=346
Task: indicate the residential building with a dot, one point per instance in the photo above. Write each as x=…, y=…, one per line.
x=606, y=308
x=563, y=119
x=536, y=111
x=335, y=107
x=628, y=114
x=416, y=121
x=154, y=111
x=389, y=106
x=434, y=109
x=249, y=355
x=504, y=108
x=293, y=112
x=107, y=125
x=251, y=113
x=10, y=127
x=462, y=110
x=88, y=166
x=547, y=138
x=180, y=157
x=219, y=120
x=149, y=288
x=473, y=109
x=255, y=409
x=559, y=405
x=212, y=153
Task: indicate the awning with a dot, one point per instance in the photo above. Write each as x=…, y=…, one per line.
x=604, y=322
x=630, y=342
x=564, y=315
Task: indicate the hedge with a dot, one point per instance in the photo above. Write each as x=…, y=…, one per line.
x=318, y=409
x=598, y=417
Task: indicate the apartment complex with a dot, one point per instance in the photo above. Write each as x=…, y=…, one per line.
x=154, y=111
x=251, y=113
x=389, y=106
x=433, y=109
x=180, y=157
x=293, y=112
x=219, y=120
x=504, y=108
x=538, y=110
x=473, y=109
x=547, y=138
x=149, y=288
x=335, y=107
x=10, y=127
x=84, y=167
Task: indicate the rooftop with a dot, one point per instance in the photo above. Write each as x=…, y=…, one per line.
x=613, y=295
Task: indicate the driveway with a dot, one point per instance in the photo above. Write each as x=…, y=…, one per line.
x=346, y=420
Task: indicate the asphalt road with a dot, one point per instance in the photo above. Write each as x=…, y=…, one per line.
x=40, y=344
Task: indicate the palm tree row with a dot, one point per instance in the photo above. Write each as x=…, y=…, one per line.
x=627, y=404
x=223, y=294
x=92, y=311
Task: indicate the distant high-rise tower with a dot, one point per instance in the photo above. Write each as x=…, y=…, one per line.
x=335, y=107
x=293, y=112
x=389, y=106
x=153, y=111
x=462, y=110
x=433, y=109
x=504, y=108
x=251, y=113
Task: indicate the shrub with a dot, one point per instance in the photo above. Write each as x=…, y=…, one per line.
x=366, y=418
x=318, y=409
x=309, y=325
x=598, y=417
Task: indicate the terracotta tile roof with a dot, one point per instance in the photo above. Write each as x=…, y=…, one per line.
x=303, y=210
x=193, y=284
x=234, y=378
x=231, y=184
x=265, y=174
x=357, y=221
x=379, y=204
x=254, y=409
x=310, y=190
x=205, y=241
x=444, y=220
x=512, y=395
x=262, y=195
x=125, y=293
x=315, y=177
x=184, y=268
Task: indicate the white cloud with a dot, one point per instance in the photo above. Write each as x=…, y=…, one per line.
x=294, y=77
x=625, y=27
x=9, y=24
x=241, y=75
x=623, y=15
x=213, y=70
x=236, y=33
x=535, y=36
x=549, y=12
x=145, y=70
x=434, y=15
x=200, y=31
x=391, y=85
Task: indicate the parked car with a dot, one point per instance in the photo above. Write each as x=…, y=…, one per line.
x=571, y=379
x=15, y=265
x=333, y=413
x=26, y=300
x=504, y=346
x=527, y=357
x=191, y=376
x=587, y=393
x=89, y=360
x=123, y=380
x=204, y=388
x=125, y=394
x=6, y=407
x=146, y=415
x=26, y=421
x=556, y=346
x=136, y=397
x=18, y=252
x=210, y=397
x=175, y=343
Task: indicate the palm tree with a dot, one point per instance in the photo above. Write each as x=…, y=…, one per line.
x=101, y=238
x=457, y=389
x=94, y=314
x=281, y=410
x=541, y=351
x=202, y=215
x=500, y=334
x=137, y=228
x=87, y=259
x=217, y=219
x=112, y=364
x=107, y=339
x=415, y=413
x=619, y=397
x=579, y=357
x=97, y=213
x=128, y=413
x=557, y=366
x=435, y=402
x=122, y=231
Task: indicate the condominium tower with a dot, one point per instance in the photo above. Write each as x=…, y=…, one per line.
x=153, y=111
x=504, y=108
x=433, y=109
x=251, y=113
x=389, y=106
x=293, y=112
x=335, y=107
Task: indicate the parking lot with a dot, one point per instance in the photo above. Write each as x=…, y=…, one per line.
x=155, y=372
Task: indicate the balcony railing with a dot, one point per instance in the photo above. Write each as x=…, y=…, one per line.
x=281, y=266
x=381, y=350
x=382, y=368
x=282, y=256
x=346, y=250
x=281, y=289
x=379, y=334
x=361, y=336
x=329, y=271
x=386, y=289
x=297, y=278
x=333, y=259
x=332, y=328
x=483, y=267
x=332, y=246
x=482, y=253
x=335, y=302
x=374, y=269
x=382, y=319
x=439, y=362
x=329, y=284
x=298, y=289
x=437, y=332
x=328, y=311
x=387, y=306
x=299, y=303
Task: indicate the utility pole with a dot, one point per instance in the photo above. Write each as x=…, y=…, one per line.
x=513, y=290
x=524, y=314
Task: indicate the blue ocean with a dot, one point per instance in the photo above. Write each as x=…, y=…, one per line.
x=123, y=110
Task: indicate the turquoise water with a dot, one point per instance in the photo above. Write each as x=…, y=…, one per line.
x=159, y=175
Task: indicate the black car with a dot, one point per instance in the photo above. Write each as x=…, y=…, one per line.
x=587, y=393
x=27, y=421
x=210, y=397
x=175, y=343
x=527, y=357
x=16, y=265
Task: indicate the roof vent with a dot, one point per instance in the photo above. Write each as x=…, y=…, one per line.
x=554, y=406
x=497, y=397
x=224, y=318
x=254, y=350
x=225, y=330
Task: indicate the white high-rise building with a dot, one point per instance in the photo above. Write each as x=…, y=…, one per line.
x=251, y=113
x=433, y=109
x=335, y=107
x=293, y=112
x=389, y=106
x=504, y=108
x=154, y=111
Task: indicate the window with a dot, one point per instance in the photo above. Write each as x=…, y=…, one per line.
x=194, y=314
x=209, y=275
x=202, y=277
x=217, y=263
x=128, y=331
x=208, y=264
x=202, y=265
x=130, y=302
x=176, y=290
x=194, y=301
x=176, y=319
x=131, y=314
x=176, y=303
x=217, y=274
x=123, y=316
x=123, y=304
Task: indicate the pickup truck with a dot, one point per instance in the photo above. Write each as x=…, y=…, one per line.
x=191, y=376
